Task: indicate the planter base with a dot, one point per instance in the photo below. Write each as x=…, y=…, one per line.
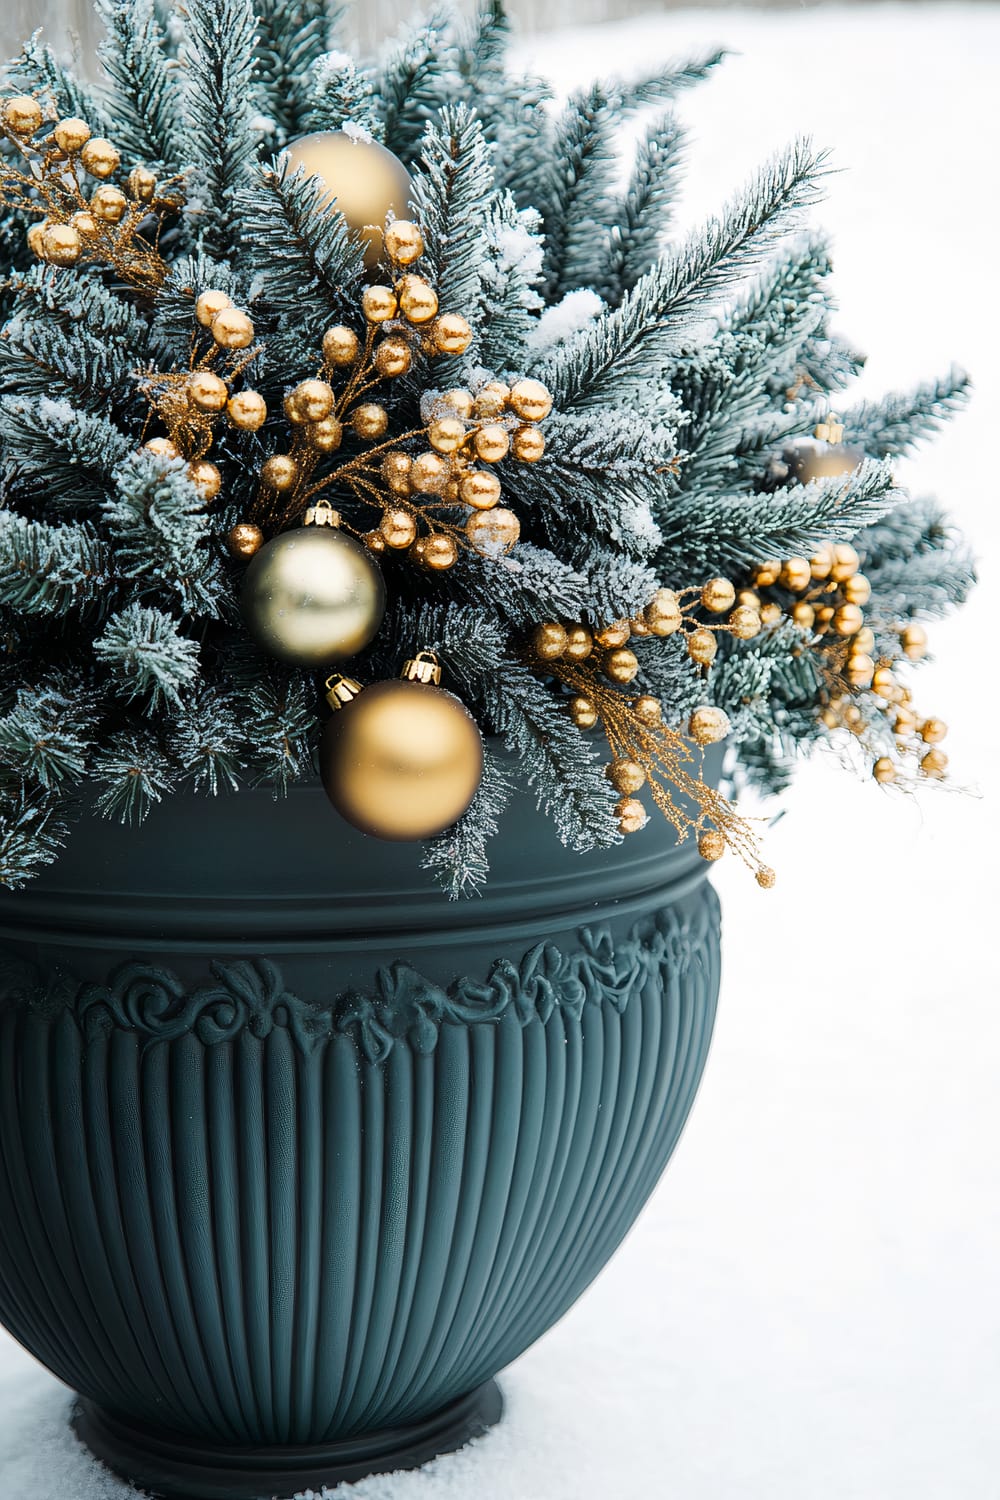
x=178, y=1468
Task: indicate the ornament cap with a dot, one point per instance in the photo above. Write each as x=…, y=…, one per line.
x=321, y=514
x=341, y=690
x=830, y=430
x=424, y=667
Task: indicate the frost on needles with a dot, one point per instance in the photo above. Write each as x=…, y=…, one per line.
x=679, y=365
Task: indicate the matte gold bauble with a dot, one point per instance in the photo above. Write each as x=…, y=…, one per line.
x=207, y=391
x=244, y=540
x=403, y=760
x=100, y=158
x=22, y=115
x=71, y=134
x=340, y=345
x=364, y=182
x=313, y=596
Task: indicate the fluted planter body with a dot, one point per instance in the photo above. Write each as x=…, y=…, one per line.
x=295, y=1155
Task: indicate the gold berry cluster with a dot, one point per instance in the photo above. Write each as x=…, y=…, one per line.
x=59, y=169
x=434, y=488
x=825, y=595
x=190, y=403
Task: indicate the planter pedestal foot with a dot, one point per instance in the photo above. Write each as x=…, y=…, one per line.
x=174, y=1467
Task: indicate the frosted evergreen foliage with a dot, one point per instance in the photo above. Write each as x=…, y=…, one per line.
x=679, y=367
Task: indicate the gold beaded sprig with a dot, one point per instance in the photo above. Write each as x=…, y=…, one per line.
x=191, y=403
x=434, y=488
x=45, y=172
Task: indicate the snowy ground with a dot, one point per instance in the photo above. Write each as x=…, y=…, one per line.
x=809, y=1308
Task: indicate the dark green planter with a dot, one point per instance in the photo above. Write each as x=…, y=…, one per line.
x=295, y=1155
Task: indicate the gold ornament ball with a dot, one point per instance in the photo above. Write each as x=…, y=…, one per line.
x=853, y=717
x=766, y=877
x=864, y=640
x=438, y=552
x=491, y=399
x=771, y=614
x=748, y=599
x=579, y=642
x=711, y=844
x=884, y=683
x=402, y=761
x=109, y=204
x=452, y=334
x=796, y=574
x=207, y=392
x=461, y=402
x=244, y=540
x=648, y=710
x=803, y=614
x=767, y=574
x=744, y=622
x=232, y=329
x=247, y=411
x=663, y=613
x=364, y=182
x=340, y=345
x=393, y=358
x=209, y=305
x=206, y=478
x=492, y=533
x=71, y=134
x=429, y=473
x=913, y=639
x=848, y=619
x=162, y=447
x=611, y=636
x=821, y=562
x=374, y=541
x=379, y=304
x=325, y=436
x=549, y=640
x=446, y=434
x=22, y=115
x=480, y=489
x=100, y=158
x=309, y=401
x=530, y=400
x=905, y=723
x=398, y=528
x=626, y=775
x=857, y=589
x=631, y=815
x=279, y=472
x=492, y=443
x=846, y=562
x=702, y=646
x=36, y=239
x=396, y=471
x=404, y=242
x=621, y=665
x=637, y=626
x=583, y=711
x=718, y=595
x=860, y=669
x=142, y=184
x=528, y=444
x=934, y=764
x=418, y=301
x=61, y=245
x=708, y=725
x=370, y=420
x=933, y=731
x=312, y=596
x=884, y=770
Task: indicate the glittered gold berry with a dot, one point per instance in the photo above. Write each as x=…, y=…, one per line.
x=884, y=770
x=480, y=489
x=403, y=241
x=61, y=245
x=744, y=622
x=530, y=400
x=767, y=574
x=22, y=115
x=528, y=444
x=232, y=329
x=711, y=844
x=207, y=391
x=379, y=303
x=766, y=877
x=613, y=635
x=492, y=533
x=860, y=669
x=162, y=447
x=845, y=562
x=626, y=775
x=206, y=478
x=393, y=358
x=429, y=473
x=325, y=435
x=100, y=158
x=648, y=710
x=209, y=305
x=718, y=595
x=491, y=399
x=631, y=815
x=857, y=589
x=452, y=334
x=279, y=472
x=370, y=420
x=418, y=301
x=109, y=204
x=708, y=725
x=438, y=552
x=621, y=665
x=583, y=711
x=244, y=541
x=340, y=345
x=549, y=640
x=396, y=471
x=934, y=763
x=247, y=411
x=796, y=574
x=71, y=134
x=309, y=401
x=142, y=184
x=399, y=528
x=460, y=401
x=663, y=613
x=821, y=562
x=702, y=646
x=492, y=443
x=446, y=434
x=804, y=614
x=579, y=642
x=848, y=620
x=913, y=639
x=933, y=731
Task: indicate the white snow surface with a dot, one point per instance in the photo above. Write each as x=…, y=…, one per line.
x=808, y=1308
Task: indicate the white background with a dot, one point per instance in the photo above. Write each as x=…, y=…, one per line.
x=809, y=1308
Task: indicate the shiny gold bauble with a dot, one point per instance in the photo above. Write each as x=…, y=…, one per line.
x=341, y=345
x=549, y=640
x=530, y=400
x=446, y=434
x=913, y=639
x=620, y=665
x=325, y=436
x=492, y=533
x=418, y=301
x=109, y=204
x=613, y=635
x=846, y=562
x=711, y=844
x=934, y=763
x=884, y=684
x=393, y=358
x=207, y=392
x=933, y=731
x=480, y=489
x=247, y=411
x=452, y=334
x=631, y=815
x=492, y=443
x=461, y=402
x=209, y=305
x=857, y=589
x=848, y=619
x=313, y=596
x=429, y=473
x=579, y=642
x=379, y=304
x=492, y=398
x=771, y=613
x=708, y=725
x=702, y=646
x=402, y=761
x=61, y=245
x=22, y=115
x=232, y=329
x=100, y=158
x=396, y=471
x=404, y=242
x=142, y=184
x=244, y=540
x=718, y=595
x=744, y=622
x=796, y=574
x=206, y=478
x=626, y=775
x=399, y=528
x=766, y=877
x=904, y=723
x=583, y=711
x=71, y=134
x=309, y=401
x=648, y=710
x=860, y=669
x=663, y=613
x=884, y=770
x=528, y=444
x=365, y=183
x=821, y=562
x=803, y=614
x=370, y=420
x=438, y=552
x=162, y=447
x=279, y=472
x=767, y=573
